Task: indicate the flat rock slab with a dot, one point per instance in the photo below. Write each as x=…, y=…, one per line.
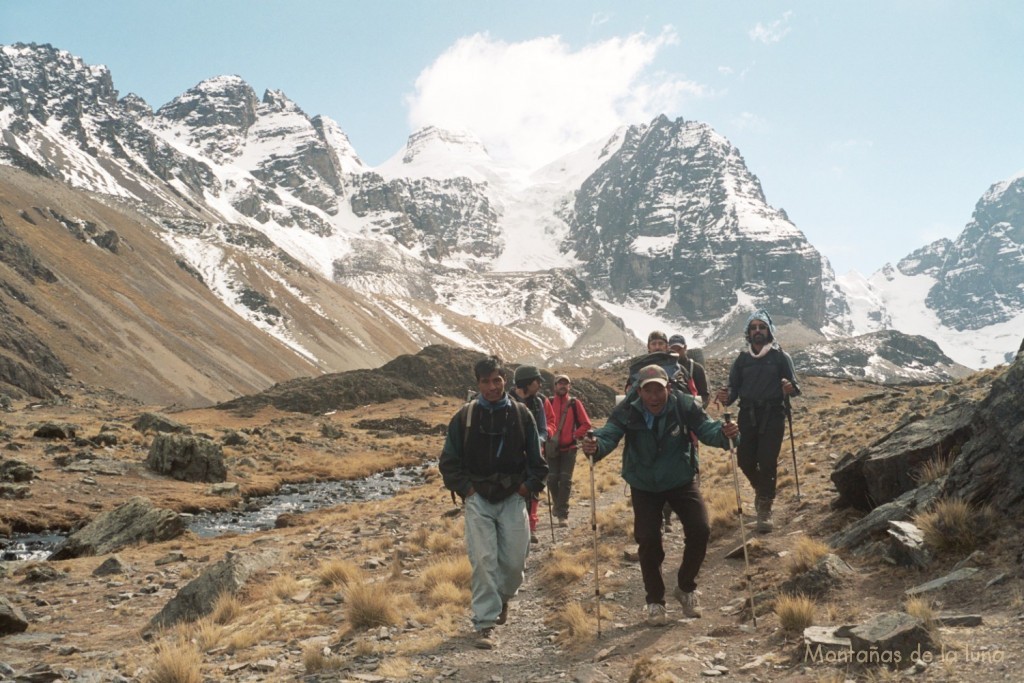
x=942, y=582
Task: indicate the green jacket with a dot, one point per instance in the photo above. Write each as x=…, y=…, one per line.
x=663, y=459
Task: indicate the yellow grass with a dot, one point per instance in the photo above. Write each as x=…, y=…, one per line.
x=922, y=609
x=370, y=605
x=314, y=660
x=283, y=587
x=721, y=504
x=954, y=526
x=795, y=612
x=804, y=554
x=561, y=569
x=453, y=570
x=649, y=670
x=934, y=468
x=576, y=627
x=176, y=663
x=339, y=573
x=447, y=593
x=226, y=609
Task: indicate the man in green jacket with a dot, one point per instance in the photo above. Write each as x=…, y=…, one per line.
x=660, y=465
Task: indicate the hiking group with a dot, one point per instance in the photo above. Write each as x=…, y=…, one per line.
x=502, y=447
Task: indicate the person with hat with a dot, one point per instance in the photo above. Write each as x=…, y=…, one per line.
x=491, y=458
x=677, y=345
x=573, y=423
x=659, y=463
x=763, y=378
x=527, y=381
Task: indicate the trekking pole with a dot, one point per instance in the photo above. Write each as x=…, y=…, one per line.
x=593, y=525
x=727, y=417
x=792, y=445
x=551, y=516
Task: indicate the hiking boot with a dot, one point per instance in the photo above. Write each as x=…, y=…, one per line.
x=563, y=522
x=656, y=614
x=503, y=616
x=533, y=538
x=486, y=639
x=764, y=515
x=689, y=602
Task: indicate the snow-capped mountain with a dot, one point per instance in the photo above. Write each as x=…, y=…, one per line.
x=272, y=212
x=966, y=295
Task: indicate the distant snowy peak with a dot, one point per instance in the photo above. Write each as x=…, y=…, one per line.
x=927, y=260
x=339, y=143
x=434, y=152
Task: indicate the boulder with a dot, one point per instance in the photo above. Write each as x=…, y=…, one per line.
x=891, y=636
x=906, y=545
x=56, y=430
x=199, y=596
x=187, y=458
x=134, y=522
x=887, y=468
x=877, y=521
x=12, y=619
x=990, y=468
x=157, y=422
x=943, y=581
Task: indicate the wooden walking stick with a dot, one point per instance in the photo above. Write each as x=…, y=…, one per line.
x=792, y=445
x=743, y=527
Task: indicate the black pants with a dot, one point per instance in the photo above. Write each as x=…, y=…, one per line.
x=761, y=433
x=560, y=469
x=686, y=501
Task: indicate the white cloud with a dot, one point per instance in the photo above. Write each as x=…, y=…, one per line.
x=749, y=121
x=773, y=32
x=533, y=101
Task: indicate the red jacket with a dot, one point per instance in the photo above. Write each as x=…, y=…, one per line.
x=577, y=422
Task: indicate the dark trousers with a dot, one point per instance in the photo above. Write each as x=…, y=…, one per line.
x=687, y=502
x=760, y=443
x=560, y=470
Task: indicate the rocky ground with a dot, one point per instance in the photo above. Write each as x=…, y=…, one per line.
x=290, y=623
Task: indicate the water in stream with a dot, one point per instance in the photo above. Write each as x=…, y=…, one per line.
x=255, y=514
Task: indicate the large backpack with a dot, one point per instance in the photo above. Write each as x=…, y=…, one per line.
x=679, y=375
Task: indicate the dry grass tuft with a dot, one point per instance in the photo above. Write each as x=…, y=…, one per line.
x=784, y=482
x=804, y=554
x=176, y=663
x=614, y=521
x=315, y=660
x=576, y=627
x=453, y=570
x=922, y=609
x=283, y=587
x=795, y=612
x=339, y=573
x=721, y=503
x=226, y=609
x=934, y=468
x=447, y=593
x=650, y=670
x=952, y=525
x=370, y=605
x=561, y=570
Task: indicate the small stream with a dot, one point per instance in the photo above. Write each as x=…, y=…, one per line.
x=257, y=513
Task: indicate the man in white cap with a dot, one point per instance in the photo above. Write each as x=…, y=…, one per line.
x=659, y=463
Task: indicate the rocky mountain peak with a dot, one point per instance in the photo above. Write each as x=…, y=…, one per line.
x=277, y=101
x=674, y=220
x=135, y=106
x=41, y=81
x=927, y=260
x=978, y=283
x=222, y=101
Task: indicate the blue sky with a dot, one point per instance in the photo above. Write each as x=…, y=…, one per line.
x=875, y=124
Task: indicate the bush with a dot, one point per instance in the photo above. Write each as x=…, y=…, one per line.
x=952, y=525
x=795, y=612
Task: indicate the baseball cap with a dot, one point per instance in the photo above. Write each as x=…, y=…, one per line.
x=652, y=373
x=657, y=334
x=559, y=378
x=677, y=340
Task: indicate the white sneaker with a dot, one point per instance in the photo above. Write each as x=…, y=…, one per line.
x=656, y=614
x=689, y=602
